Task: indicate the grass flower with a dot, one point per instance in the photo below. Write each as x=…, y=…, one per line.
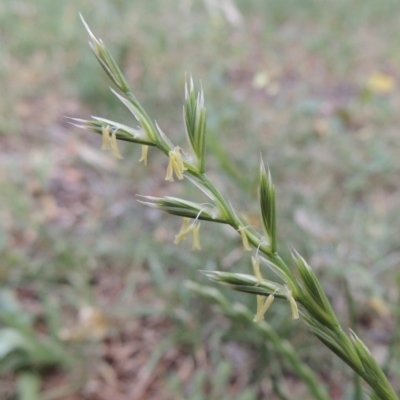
x=175, y=164
x=196, y=236
x=187, y=228
x=105, y=138
x=256, y=268
x=114, y=147
x=184, y=231
x=145, y=150
x=110, y=142
x=245, y=240
x=263, y=306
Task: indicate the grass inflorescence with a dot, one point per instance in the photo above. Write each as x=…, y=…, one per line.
x=298, y=285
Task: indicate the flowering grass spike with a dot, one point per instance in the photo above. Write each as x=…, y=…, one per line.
x=298, y=284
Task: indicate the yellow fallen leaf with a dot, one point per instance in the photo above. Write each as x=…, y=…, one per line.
x=261, y=80
x=379, y=306
x=380, y=83
x=92, y=325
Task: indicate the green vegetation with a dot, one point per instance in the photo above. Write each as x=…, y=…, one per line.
x=313, y=86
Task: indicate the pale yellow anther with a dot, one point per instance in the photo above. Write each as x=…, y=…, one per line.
x=245, y=241
x=179, y=162
x=114, y=147
x=293, y=304
x=176, y=168
x=105, y=130
x=294, y=308
x=169, y=177
x=184, y=231
x=196, y=237
x=260, y=302
x=263, y=306
x=256, y=269
x=145, y=150
x=175, y=164
x=193, y=228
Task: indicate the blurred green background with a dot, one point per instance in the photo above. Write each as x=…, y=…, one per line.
x=92, y=301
